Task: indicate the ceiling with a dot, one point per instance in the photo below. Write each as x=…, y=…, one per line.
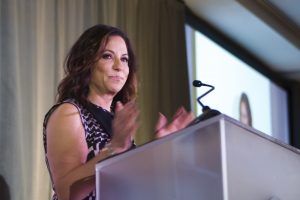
x=268, y=29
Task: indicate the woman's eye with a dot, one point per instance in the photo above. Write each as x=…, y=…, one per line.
x=124, y=60
x=106, y=56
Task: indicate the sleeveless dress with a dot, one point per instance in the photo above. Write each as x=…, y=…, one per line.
x=95, y=134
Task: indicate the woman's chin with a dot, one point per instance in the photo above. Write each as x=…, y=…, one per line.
x=115, y=91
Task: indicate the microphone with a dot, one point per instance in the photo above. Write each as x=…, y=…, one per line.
x=198, y=83
x=207, y=112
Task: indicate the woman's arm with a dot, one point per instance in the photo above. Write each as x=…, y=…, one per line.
x=67, y=149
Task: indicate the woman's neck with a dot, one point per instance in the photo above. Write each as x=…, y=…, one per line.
x=103, y=101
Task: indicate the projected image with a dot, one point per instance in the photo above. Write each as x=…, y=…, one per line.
x=240, y=91
x=245, y=110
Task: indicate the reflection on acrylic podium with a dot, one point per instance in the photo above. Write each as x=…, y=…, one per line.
x=218, y=159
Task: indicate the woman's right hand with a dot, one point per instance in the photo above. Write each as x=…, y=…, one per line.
x=124, y=126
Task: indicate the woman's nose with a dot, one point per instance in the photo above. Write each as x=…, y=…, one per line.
x=117, y=64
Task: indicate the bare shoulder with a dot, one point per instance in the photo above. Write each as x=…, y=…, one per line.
x=65, y=110
x=65, y=130
x=66, y=116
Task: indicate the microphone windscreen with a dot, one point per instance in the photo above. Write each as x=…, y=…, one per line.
x=197, y=83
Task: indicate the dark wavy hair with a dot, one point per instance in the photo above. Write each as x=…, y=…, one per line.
x=81, y=59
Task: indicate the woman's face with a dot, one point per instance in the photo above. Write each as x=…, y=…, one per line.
x=111, y=70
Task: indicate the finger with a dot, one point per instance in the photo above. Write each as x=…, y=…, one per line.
x=178, y=112
x=184, y=120
x=180, y=121
x=162, y=121
x=129, y=130
x=133, y=118
x=131, y=105
x=124, y=132
x=161, y=133
x=119, y=106
x=126, y=110
x=165, y=131
x=123, y=122
x=131, y=114
x=174, y=125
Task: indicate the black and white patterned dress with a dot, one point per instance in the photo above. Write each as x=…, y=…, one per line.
x=95, y=134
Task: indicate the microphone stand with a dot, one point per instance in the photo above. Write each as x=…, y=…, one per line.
x=207, y=112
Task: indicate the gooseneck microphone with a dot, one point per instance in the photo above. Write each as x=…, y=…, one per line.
x=207, y=112
x=197, y=83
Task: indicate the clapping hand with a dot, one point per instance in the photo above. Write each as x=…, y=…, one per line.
x=180, y=120
x=124, y=125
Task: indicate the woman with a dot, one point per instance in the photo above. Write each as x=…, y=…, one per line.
x=95, y=116
x=245, y=110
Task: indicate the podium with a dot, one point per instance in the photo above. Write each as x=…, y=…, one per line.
x=218, y=159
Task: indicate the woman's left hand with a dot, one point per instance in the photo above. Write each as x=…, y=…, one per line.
x=180, y=120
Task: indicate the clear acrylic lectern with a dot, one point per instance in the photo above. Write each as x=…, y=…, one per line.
x=218, y=159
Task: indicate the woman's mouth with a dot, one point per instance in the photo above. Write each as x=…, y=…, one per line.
x=116, y=78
